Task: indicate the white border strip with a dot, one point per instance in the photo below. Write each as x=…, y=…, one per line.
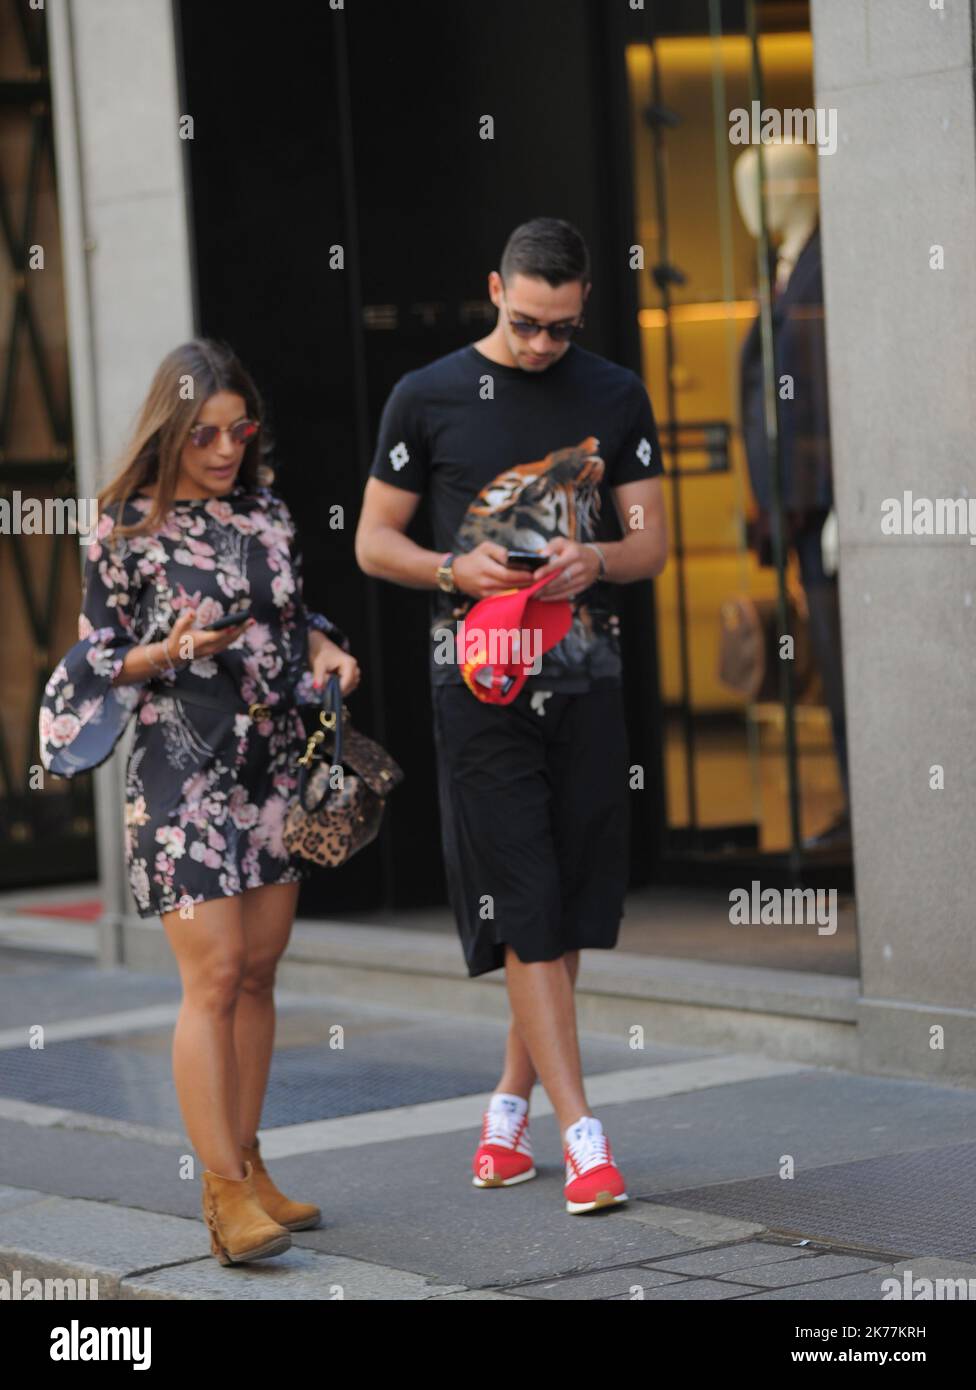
x=416, y=1121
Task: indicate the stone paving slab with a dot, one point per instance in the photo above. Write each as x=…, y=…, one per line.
x=495, y=1238
x=55, y=1238
x=705, y=1228
x=608, y=1284
x=19, y=1197
x=298, y=1274
x=481, y=1295
x=854, y=1288
x=688, y=1291
x=98, y=1167
x=93, y=1240
x=936, y=1268
x=739, y=1257
x=786, y=1273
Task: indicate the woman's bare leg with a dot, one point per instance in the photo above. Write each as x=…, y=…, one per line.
x=209, y=950
x=268, y=916
x=518, y=1073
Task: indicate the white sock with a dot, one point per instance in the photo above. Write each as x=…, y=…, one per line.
x=511, y=1105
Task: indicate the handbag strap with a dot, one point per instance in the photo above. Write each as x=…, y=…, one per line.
x=330, y=720
x=332, y=704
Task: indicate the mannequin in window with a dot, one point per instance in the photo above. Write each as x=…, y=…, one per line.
x=792, y=220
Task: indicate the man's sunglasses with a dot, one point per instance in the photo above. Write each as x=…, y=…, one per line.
x=240, y=432
x=559, y=332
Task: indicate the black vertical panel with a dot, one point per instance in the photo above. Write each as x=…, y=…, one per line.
x=610, y=30
x=434, y=204
x=267, y=205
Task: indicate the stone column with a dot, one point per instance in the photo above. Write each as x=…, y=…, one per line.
x=128, y=269
x=902, y=374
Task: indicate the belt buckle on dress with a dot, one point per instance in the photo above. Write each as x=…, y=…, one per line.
x=258, y=712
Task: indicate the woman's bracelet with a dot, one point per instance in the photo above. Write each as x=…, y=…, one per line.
x=160, y=670
x=169, y=668
x=184, y=661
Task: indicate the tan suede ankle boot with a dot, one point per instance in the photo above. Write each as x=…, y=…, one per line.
x=240, y=1228
x=294, y=1216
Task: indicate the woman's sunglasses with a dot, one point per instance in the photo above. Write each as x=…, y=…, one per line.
x=240, y=432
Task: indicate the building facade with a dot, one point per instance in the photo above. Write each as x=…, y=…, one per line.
x=329, y=198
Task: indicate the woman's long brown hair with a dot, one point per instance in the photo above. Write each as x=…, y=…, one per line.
x=186, y=378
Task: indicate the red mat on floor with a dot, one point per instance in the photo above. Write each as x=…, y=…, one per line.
x=88, y=910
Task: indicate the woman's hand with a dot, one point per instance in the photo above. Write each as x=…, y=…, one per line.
x=326, y=657
x=174, y=652
x=186, y=643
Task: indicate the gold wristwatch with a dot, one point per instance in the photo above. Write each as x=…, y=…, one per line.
x=445, y=575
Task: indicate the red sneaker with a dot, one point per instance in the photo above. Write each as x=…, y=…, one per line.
x=593, y=1180
x=504, y=1155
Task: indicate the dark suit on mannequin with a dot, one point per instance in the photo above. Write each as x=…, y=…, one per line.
x=804, y=436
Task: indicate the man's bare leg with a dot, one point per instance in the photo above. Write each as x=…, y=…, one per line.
x=518, y=1074
x=544, y=1013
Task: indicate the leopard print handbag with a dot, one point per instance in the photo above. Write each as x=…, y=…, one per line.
x=341, y=794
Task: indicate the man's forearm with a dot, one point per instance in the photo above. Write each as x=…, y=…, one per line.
x=637, y=556
x=389, y=554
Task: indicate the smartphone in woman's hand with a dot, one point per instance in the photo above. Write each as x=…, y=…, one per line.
x=240, y=615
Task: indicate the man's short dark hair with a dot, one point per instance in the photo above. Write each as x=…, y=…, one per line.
x=546, y=248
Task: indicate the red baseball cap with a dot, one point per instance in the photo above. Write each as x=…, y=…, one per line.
x=496, y=625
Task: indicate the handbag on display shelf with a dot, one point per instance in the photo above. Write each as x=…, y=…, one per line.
x=341, y=793
x=749, y=646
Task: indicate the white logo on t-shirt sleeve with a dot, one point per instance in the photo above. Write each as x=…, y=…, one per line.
x=399, y=455
x=644, y=452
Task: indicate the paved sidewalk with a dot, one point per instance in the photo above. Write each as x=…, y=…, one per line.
x=373, y=1112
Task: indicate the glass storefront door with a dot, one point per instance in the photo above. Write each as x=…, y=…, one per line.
x=732, y=336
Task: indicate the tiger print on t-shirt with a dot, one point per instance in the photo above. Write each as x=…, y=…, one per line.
x=523, y=508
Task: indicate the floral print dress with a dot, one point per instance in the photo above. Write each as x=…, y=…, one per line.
x=206, y=788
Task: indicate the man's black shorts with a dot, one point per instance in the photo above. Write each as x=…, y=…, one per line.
x=535, y=820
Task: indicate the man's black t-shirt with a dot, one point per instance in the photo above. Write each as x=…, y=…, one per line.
x=509, y=455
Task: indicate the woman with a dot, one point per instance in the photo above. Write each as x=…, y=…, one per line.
x=189, y=532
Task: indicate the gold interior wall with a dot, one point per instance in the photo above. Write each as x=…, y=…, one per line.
x=709, y=319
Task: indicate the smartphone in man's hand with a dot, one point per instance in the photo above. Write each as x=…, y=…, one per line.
x=525, y=560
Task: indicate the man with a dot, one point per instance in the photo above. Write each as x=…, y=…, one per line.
x=525, y=441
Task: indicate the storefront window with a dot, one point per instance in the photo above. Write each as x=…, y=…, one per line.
x=734, y=360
